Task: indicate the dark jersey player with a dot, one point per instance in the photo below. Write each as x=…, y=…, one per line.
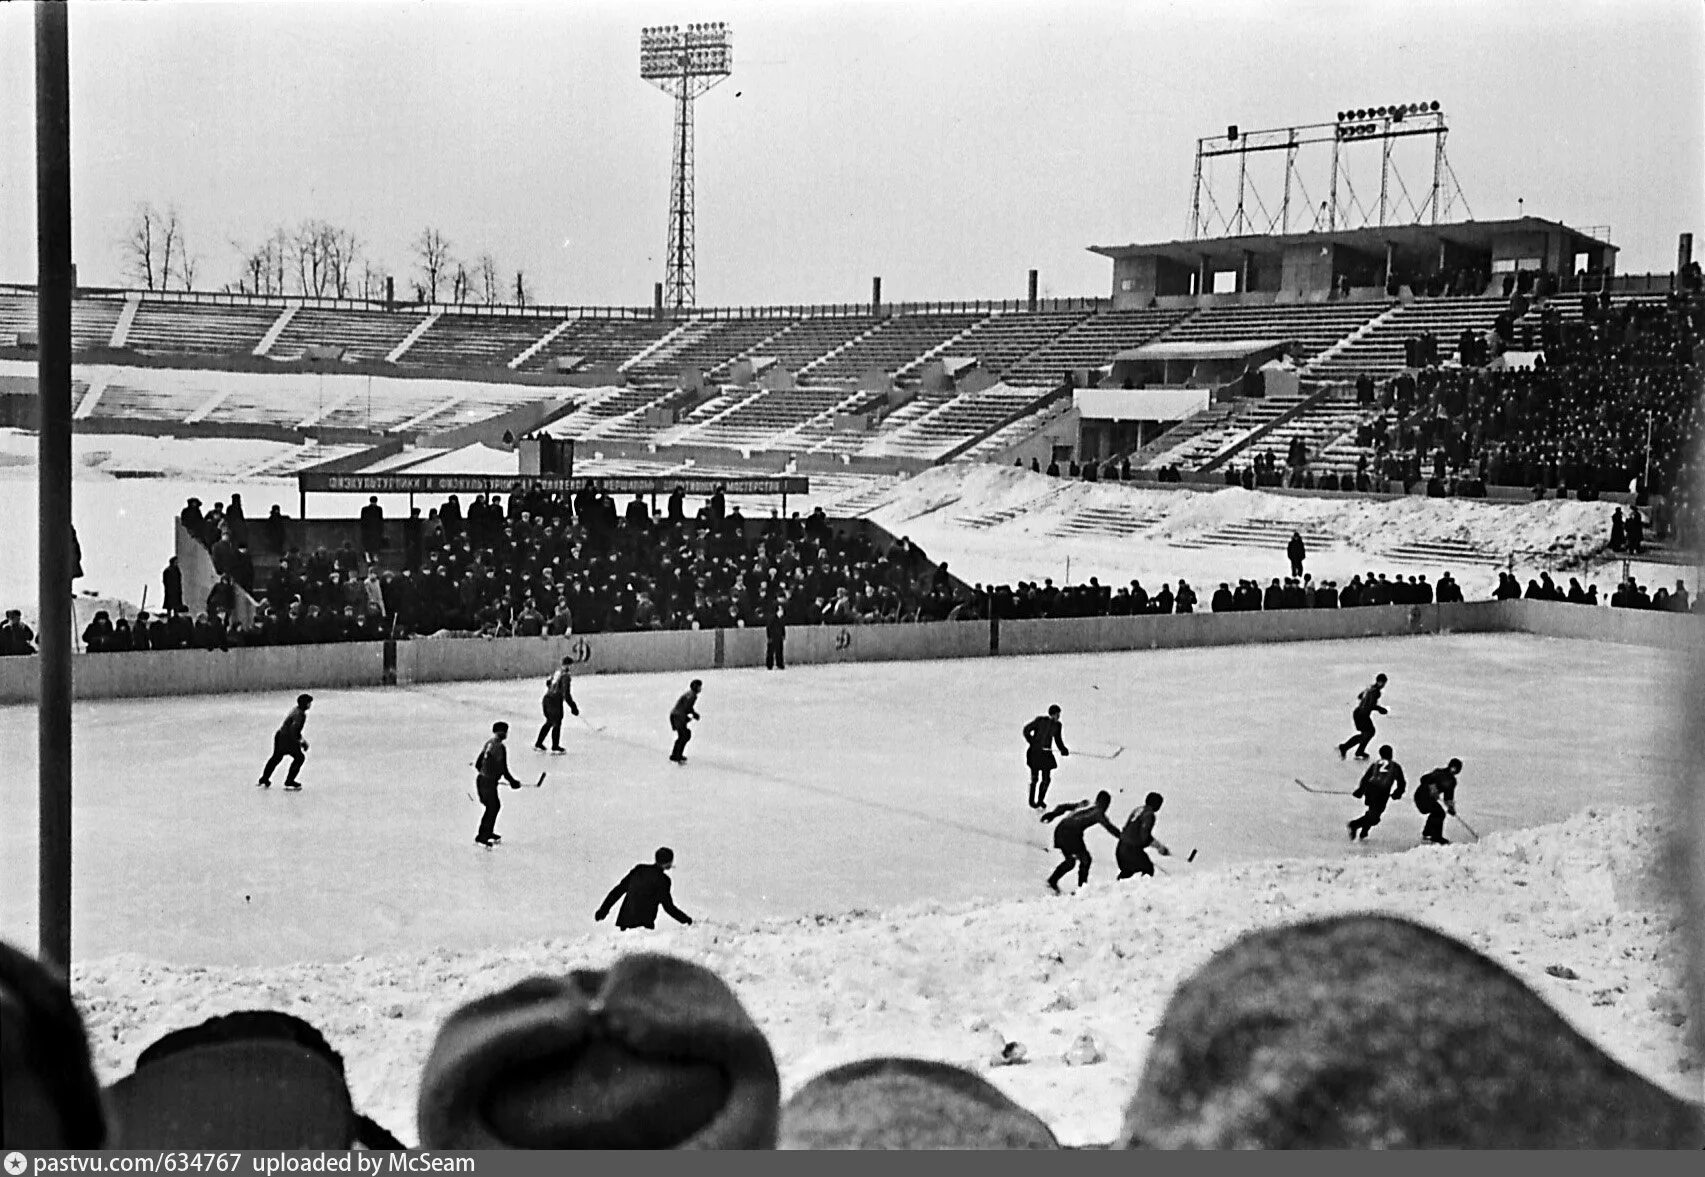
x=1435, y=796
x=642, y=891
x=1381, y=784
x=1076, y=820
x=1366, y=704
x=288, y=742
x=559, y=692
x=686, y=708
x=1043, y=736
x=1137, y=838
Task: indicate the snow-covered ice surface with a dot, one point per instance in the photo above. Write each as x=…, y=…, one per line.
x=864, y=869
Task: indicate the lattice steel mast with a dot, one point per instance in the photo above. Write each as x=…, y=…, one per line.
x=684, y=64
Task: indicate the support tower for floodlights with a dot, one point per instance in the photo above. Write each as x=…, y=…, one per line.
x=684, y=63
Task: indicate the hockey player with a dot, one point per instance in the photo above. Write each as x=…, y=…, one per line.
x=1382, y=783
x=1077, y=817
x=1137, y=837
x=1366, y=704
x=686, y=707
x=1042, y=734
x=1435, y=796
x=642, y=891
x=493, y=768
x=288, y=742
x=558, y=692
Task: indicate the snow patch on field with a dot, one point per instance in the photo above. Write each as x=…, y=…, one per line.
x=953, y=982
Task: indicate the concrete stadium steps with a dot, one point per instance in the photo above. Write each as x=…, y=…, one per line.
x=862, y=502
x=983, y=520
x=300, y=458
x=1259, y=533
x=381, y=413
x=603, y=406
x=759, y=419
x=893, y=345
x=1115, y=522
x=146, y=404
x=1379, y=353
x=173, y=328
x=1210, y=443
x=708, y=345
x=364, y=335
x=1158, y=451
x=807, y=434
x=92, y=319
x=1318, y=426
x=1090, y=344
x=473, y=341
x=1010, y=435
x=622, y=418
x=245, y=406
x=1002, y=340
x=599, y=341
x=1314, y=327
x=947, y=427
x=1444, y=553
x=807, y=340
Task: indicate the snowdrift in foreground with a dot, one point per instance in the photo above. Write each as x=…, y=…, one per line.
x=954, y=983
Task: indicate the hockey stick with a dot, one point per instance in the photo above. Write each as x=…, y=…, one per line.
x=1331, y=792
x=597, y=727
x=1113, y=755
x=1466, y=826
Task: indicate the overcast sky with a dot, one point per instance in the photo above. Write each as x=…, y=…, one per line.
x=948, y=147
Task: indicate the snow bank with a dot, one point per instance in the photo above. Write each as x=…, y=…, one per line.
x=954, y=982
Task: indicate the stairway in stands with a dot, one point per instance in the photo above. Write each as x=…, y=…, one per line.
x=1446, y=553
x=1115, y=522
x=1259, y=533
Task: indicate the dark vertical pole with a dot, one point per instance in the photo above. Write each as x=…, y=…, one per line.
x=53, y=378
x=1032, y=303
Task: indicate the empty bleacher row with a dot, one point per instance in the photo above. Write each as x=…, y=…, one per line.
x=1379, y=352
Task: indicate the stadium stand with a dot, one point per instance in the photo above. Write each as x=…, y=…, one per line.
x=953, y=425
x=893, y=345
x=708, y=345
x=1313, y=327
x=1379, y=351
x=1092, y=342
x=364, y=335
x=121, y=401
x=474, y=341
x=1002, y=340
x=173, y=328
x=595, y=341
x=813, y=338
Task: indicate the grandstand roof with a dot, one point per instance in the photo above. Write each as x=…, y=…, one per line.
x=1219, y=349
x=1479, y=234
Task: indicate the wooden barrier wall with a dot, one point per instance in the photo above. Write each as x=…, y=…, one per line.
x=374, y=664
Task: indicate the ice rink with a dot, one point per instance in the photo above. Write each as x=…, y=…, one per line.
x=818, y=790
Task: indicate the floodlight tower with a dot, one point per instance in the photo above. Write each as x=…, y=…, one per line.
x=684, y=63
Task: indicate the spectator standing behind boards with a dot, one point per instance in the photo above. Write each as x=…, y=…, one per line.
x=642, y=891
x=372, y=528
x=172, y=580
x=16, y=638
x=1297, y=553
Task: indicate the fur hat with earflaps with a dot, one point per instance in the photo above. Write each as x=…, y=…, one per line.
x=255, y=1079
x=907, y=1103
x=49, y=1096
x=653, y=1053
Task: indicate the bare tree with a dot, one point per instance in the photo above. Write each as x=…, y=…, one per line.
x=523, y=296
x=342, y=250
x=308, y=254
x=491, y=287
x=169, y=232
x=372, y=281
x=140, y=251
x=433, y=250
x=188, y=266
x=460, y=283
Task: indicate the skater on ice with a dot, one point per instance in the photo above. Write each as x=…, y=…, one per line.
x=1381, y=784
x=642, y=891
x=686, y=708
x=1435, y=796
x=1137, y=838
x=558, y=692
x=288, y=742
x=1043, y=734
x=1366, y=704
x=1076, y=820
x=493, y=768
